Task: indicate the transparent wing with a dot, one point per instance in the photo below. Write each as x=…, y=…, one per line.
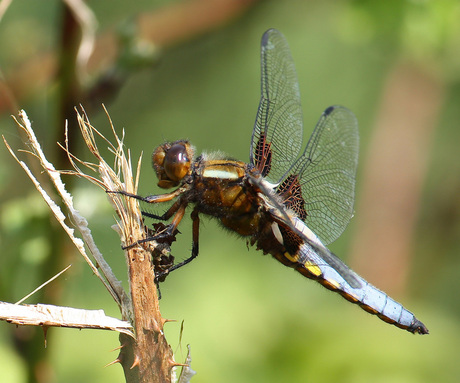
x=326, y=173
x=277, y=134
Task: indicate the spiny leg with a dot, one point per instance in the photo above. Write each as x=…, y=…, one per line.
x=195, y=245
x=177, y=206
x=178, y=210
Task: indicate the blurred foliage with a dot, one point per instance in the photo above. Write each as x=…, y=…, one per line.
x=425, y=31
x=247, y=318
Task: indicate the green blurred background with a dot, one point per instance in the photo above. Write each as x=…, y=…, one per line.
x=396, y=64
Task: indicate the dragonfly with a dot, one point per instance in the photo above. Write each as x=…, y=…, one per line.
x=287, y=202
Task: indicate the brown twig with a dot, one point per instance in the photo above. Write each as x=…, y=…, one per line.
x=149, y=358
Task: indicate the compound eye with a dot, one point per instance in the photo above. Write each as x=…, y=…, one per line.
x=176, y=162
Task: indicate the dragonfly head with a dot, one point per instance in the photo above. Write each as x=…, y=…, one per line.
x=172, y=161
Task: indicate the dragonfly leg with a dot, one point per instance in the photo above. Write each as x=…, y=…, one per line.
x=167, y=215
x=195, y=246
x=151, y=198
x=178, y=209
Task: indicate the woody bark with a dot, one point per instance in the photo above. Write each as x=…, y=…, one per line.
x=148, y=359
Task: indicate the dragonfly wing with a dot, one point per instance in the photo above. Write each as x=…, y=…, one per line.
x=325, y=173
x=277, y=134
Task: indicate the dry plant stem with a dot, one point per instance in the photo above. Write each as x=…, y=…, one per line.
x=152, y=357
x=42, y=285
x=148, y=358
x=110, y=281
x=58, y=316
x=187, y=372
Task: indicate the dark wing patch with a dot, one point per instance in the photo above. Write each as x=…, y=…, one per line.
x=290, y=192
x=263, y=156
